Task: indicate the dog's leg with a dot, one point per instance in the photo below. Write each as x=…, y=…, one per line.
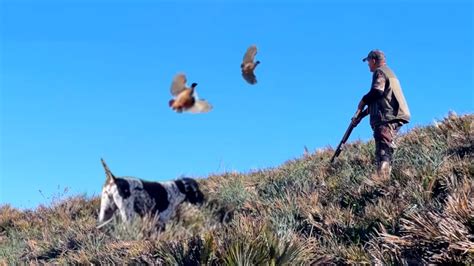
x=160, y=225
x=126, y=215
x=125, y=207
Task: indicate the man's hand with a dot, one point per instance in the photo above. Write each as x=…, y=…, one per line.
x=356, y=120
x=359, y=114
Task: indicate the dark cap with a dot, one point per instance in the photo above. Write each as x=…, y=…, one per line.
x=375, y=54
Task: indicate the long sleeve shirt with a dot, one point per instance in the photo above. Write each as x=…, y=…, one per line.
x=377, y=89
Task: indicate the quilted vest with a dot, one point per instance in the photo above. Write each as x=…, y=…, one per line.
x=392, y=107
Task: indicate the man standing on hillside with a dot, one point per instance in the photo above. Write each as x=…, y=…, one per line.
x=387, y=108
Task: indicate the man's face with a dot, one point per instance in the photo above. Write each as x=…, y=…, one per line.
x=372, y=64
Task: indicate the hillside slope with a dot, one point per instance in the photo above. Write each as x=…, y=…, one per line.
x=305, y=211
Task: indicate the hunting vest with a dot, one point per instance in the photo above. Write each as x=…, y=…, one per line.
x=392, y=107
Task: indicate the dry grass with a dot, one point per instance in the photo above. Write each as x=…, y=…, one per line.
x=305, y=211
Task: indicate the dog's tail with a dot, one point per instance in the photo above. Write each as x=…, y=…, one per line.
x=108, y=173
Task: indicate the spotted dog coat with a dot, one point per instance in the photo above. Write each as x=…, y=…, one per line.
x=132, y=196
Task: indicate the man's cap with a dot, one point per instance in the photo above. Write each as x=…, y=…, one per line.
x=375, y=54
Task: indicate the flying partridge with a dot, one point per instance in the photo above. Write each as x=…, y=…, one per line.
x=248, y=65
x=186, y=98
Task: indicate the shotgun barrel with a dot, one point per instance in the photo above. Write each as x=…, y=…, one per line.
x=346, y=135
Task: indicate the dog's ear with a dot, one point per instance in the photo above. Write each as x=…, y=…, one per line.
x=190, y=188
x=179, y=183
x=196, y=197
x=109, y=176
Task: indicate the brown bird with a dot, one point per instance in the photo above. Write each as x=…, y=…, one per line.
x=185, y=98
x=248, y=65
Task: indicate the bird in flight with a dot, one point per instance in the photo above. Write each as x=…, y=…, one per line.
x=248, y=65
x=186, y=98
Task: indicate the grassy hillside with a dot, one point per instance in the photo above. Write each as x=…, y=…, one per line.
x=305, y=211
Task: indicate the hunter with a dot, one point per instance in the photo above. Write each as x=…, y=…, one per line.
x=387, y=108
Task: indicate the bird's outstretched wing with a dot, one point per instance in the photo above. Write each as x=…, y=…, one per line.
x=250, y=77
x=250, y=54
x=200, y=106
x=179, y=84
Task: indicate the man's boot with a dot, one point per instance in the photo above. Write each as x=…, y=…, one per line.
x=384, y=169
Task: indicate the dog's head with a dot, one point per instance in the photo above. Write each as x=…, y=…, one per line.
x=190, y=188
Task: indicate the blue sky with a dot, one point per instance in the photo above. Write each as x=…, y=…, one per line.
x=81, y=80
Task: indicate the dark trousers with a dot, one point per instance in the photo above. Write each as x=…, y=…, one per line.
x=384, y=136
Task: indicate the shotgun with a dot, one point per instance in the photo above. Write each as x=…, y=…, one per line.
x=347, y=134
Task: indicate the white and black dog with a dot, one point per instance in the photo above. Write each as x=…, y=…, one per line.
x=132, y=196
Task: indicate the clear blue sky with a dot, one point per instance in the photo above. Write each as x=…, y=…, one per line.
x=81, y=80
